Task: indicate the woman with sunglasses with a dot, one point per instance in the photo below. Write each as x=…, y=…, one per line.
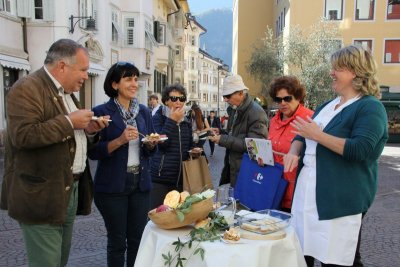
x=288, y=93
x=122, y=182
x=339, y=150
x=166, y=165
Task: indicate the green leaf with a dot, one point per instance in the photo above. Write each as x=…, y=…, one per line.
x=180, y=215
x=197, y=251
x=186, y=210
x=202, y=253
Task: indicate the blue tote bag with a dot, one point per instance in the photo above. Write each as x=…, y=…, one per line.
x=260, y=188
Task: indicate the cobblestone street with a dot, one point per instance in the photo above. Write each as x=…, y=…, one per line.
x=380, y=240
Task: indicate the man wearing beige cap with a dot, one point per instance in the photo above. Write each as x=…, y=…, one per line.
x=246, y=119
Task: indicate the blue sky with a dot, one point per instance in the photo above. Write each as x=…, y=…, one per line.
x=199, y=6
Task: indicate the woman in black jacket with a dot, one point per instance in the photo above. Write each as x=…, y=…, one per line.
x=166, y=165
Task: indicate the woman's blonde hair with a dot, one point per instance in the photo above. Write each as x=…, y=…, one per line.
x=359, y=61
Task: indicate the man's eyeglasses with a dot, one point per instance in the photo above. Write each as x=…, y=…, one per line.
x=176, y=98
x=287, y=99
x=229, y=96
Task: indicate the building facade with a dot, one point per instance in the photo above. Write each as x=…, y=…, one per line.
x=212, y=73
x=371, y=23
x=159, y=36
x=143, y=32
x=191, y=56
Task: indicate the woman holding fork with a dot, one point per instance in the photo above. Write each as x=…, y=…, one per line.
x=122, y=181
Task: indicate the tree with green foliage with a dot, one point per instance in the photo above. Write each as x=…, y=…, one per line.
x=304, y=53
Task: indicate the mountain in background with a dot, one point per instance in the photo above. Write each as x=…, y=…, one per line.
x=218, y=38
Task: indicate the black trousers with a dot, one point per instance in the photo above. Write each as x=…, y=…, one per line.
x=212, y=146
x=357, y=259
x=125, y=217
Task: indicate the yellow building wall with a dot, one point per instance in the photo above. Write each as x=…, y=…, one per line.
x=257, y=14
x=249, y=25
x=377, y=30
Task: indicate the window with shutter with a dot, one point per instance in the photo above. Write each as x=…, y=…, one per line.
x=161, y=34
x=38, y=9
x=192, y=63
x=10, y=6
x=366, y=44
x=393, y=9
x=392, y=51
x=115, y=29
x=130, y=31
x=334, y=9
x=365, y=9
x=5, y=5
x=149, y=38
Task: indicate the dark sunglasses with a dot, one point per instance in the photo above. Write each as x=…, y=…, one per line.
x=176, y=98
x=124, y=64
x=229, y=96
x=287, y=99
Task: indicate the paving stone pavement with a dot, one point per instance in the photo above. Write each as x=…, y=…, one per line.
x=380, y=239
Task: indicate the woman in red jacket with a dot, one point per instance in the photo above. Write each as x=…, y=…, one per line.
x=289, y=94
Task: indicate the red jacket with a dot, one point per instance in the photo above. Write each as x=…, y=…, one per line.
x=280, y=134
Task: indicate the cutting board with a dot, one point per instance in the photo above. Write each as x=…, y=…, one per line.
x=254, y=236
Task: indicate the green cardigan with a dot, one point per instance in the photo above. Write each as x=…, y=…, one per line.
x=346, y=185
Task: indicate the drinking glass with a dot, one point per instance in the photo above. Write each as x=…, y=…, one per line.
x=227, y=203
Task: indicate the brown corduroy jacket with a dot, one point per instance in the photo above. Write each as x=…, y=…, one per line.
x=39, y=153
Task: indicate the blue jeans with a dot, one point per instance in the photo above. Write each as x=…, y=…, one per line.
x=125, y=217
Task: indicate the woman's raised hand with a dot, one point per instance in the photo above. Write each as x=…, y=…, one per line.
x=177, y=114
x=306, y=128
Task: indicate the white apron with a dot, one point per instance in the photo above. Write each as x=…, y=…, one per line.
x=329, y=241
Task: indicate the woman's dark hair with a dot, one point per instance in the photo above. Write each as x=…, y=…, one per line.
x=169, y=88
x=118, y=71
x=291, y=84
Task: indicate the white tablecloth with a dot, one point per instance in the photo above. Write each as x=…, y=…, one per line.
x=251, y=253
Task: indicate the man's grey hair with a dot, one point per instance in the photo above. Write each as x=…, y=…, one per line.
x=65, y=49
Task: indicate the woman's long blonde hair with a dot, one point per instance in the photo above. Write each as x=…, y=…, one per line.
x=359, y=61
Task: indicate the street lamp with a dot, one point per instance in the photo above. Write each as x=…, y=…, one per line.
x=90, y=23
x=218, y=98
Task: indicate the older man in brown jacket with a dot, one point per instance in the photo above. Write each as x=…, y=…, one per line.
x=45, y=161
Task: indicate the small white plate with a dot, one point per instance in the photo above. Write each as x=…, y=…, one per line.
x=95, y=118
x=161, y=139
x=231, y=242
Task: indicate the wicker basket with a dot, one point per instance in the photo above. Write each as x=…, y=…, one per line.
x=169, y=220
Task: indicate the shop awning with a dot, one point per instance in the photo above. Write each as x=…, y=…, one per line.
x=14, y=62
x=95, y=69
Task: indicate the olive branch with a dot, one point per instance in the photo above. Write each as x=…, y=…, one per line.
x=210, y=232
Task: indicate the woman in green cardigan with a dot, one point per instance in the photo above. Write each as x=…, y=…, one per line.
x=337, y=152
